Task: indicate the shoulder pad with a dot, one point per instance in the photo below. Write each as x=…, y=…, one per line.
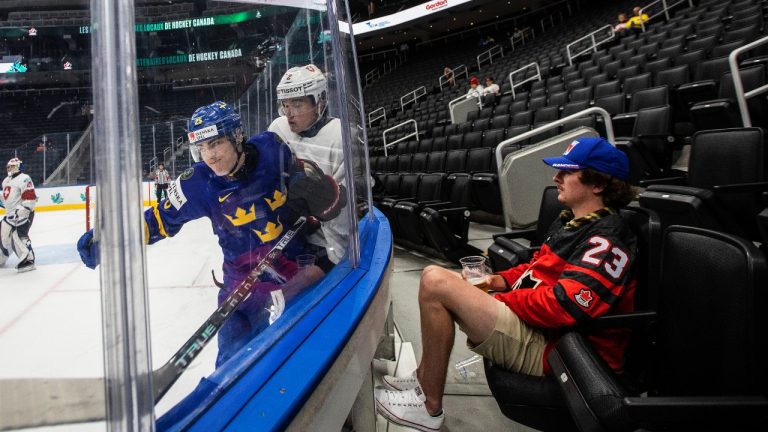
x=187, y=174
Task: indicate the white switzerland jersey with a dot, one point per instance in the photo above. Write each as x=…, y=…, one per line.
x=18, y=189
x=324, y=149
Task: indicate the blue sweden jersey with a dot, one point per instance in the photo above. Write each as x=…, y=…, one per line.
x=248, y=214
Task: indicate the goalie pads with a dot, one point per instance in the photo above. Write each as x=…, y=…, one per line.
x=313, y=193
x=18, y=216
x=14, y=239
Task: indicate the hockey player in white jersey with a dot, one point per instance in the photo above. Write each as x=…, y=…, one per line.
x=312, y=134
x=19, y=201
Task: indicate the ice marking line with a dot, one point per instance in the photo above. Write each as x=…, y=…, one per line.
x=21, y=314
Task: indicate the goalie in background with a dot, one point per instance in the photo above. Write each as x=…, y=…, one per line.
x=252, y=191
x=19, y=201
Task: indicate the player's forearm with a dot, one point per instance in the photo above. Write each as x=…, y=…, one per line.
x=304, y=278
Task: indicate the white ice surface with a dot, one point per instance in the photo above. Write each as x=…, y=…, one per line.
x=50, y=318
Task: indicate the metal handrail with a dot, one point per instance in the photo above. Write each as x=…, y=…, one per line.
x=665, y=10
x=419, y=92
x=594, y=45
x=557, y=123
x=461, y=99
x=490, y=53
x=536, y=77
x=383, y=114
x=372, y=76
x=522, y=36
x=384, y=134
x=738, y=86
x=458, y=70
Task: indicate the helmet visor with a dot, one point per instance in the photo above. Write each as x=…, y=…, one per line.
x=296, y=106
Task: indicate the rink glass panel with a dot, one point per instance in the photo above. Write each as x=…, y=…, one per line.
x=187, y=55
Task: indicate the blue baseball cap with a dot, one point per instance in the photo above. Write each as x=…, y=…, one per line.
x=595, y=153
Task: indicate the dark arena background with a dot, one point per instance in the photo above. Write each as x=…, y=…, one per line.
x=95, y=96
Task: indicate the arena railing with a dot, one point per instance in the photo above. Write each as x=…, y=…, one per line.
x=521, y=36
x=738, y=86
x=457, y=71
x=458, y=100
x=592, y=37
x=664, y=9
x=488, y=55
x=372, y=117
x=415, y=133
x=555, y=124
x=525, y=68
x=372, y=76
x=412, y=96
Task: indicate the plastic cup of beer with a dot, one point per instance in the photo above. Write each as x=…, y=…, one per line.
x=475, y=271
x=305, y=260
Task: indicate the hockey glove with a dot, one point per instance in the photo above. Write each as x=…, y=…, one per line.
x=88, y=249
x=313, y=193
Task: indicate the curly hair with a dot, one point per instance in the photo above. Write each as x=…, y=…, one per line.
x=617, y=193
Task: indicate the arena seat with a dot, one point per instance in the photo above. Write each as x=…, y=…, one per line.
x=419, y=162
x=538, y=402
x=493, y=137
x=651, y=146
x=436, y=161
x=446, y=226
x=724, y=388
x=722, y=112
x=406, y=212
x=726, y=176
x=506, y=252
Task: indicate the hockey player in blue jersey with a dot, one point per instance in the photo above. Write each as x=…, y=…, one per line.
x=252, y=191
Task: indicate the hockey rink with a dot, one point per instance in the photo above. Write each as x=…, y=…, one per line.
x=50, y=318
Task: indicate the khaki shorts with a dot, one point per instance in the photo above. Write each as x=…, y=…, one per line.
x=513, y=345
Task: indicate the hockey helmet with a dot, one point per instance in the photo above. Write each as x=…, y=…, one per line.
x=15, y=165
x=303, y=81
x=212, y=121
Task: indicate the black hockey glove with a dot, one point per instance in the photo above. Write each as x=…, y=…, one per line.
x=314, y=193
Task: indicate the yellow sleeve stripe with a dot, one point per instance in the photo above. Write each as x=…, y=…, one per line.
x=146, y=233
x=160, y=225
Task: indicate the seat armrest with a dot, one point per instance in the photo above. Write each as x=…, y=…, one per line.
x=527, y=234
x=439, y=204
x=679, y=181
x=705, y=409
x=742, y=187
x=450, y=211
x=592, y=392
x=634, y=320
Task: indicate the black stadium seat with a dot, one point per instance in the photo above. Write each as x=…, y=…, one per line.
x=700, y=373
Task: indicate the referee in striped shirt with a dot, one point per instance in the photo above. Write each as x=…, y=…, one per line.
x=161, y=182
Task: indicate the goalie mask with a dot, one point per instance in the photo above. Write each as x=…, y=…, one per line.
x=299, y=82
x=15, y=165
x=211, y=122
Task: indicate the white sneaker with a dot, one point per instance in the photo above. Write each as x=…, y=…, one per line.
x=400, y=383
x=407, y=408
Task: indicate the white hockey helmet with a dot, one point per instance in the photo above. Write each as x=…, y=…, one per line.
x=14, y=165
x=303, y=81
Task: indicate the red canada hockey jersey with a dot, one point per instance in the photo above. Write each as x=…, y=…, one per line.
x=582, y=271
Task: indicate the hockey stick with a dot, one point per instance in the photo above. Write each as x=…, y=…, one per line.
x=164, y=377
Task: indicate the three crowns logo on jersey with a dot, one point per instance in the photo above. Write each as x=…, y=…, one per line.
x=242, y=217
